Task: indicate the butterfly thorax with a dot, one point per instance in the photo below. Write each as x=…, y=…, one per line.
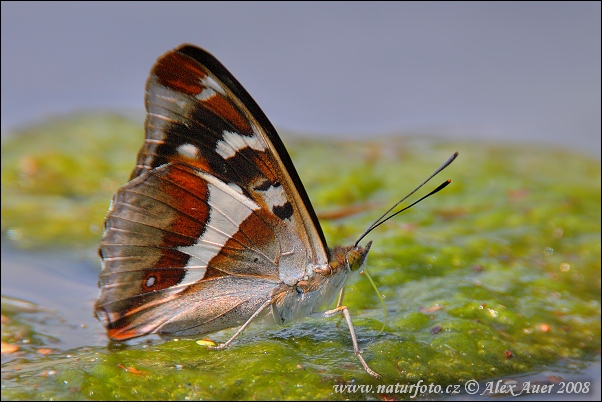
x=290, y=302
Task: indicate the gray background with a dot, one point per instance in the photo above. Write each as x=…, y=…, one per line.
x=527, y=72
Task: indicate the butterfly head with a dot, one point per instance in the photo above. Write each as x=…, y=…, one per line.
x=345, y=259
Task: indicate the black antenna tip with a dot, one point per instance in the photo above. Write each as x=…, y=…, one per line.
x=383, y=218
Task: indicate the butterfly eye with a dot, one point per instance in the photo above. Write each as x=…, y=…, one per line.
x=355, y=259
x=356, y=256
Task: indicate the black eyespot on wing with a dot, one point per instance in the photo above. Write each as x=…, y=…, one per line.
x=283, y=211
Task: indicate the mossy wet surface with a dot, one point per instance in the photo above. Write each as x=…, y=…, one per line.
x=497, y=275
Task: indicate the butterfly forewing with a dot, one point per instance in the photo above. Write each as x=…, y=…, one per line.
x=198, y=111
x=214, y=216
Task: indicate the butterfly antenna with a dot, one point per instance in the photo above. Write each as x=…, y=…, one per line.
x=383, y=218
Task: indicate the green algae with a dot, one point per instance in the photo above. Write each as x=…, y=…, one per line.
x=57, y=178
x=497, y=275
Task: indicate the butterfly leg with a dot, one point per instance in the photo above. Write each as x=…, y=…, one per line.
x=243, y=327
x=356, y=350
x=341, y=294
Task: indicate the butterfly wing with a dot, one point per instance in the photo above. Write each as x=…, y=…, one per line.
x=195, y=104
x=214, y=216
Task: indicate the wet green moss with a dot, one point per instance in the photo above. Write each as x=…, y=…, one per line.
x=497, y=275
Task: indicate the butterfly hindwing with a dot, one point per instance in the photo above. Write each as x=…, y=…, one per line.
x=176, y=226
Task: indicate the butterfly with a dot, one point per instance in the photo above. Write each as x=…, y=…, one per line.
x=214, y=227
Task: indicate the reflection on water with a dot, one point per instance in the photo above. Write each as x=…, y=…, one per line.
x=61, y=285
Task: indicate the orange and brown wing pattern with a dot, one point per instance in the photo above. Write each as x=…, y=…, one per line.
x=199, y=114
x=214, y=216
x=172, y=229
